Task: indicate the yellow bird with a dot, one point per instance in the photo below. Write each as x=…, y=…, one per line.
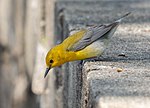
x=86, y=43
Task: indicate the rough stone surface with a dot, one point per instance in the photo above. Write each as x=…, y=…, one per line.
x=125, y=102
x=128, y=53
x=104, y=81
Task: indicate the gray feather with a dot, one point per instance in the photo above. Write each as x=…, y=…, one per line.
x=92, y=34
x=95, y=33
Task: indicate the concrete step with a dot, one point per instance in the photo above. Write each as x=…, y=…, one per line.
x=118, y=84
x=121, y=76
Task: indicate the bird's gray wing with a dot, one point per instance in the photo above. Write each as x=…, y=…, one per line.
x=92, y=34
x=96, y=32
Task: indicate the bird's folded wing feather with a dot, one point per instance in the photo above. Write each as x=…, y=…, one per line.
x=85, y=37
x=92, y=34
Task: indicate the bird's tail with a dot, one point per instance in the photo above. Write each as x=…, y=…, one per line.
x=114, y=25
x=120, y=19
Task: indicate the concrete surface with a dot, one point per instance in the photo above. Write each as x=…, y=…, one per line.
x=126, y=102
x=101, y=85
x=106, y=84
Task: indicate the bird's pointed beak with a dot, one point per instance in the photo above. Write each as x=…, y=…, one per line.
x=46, y=72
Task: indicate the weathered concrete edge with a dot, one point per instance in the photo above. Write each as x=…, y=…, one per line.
x=71, y=73
x=85, y=89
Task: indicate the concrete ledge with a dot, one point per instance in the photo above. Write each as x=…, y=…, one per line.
x=101, y=85
x=106, y=84
x=125, y=102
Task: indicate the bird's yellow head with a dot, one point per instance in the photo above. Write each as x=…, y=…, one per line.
x=53, y=59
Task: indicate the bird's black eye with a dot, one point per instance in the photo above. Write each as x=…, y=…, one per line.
x=51, y=61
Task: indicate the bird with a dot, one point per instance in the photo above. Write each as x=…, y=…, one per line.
x=86, y=43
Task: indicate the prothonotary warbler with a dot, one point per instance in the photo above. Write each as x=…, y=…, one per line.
x=87, y=43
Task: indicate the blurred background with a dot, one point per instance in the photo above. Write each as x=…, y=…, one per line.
x=23, y=24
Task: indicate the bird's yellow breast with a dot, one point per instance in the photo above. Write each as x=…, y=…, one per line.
x=92, y=50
